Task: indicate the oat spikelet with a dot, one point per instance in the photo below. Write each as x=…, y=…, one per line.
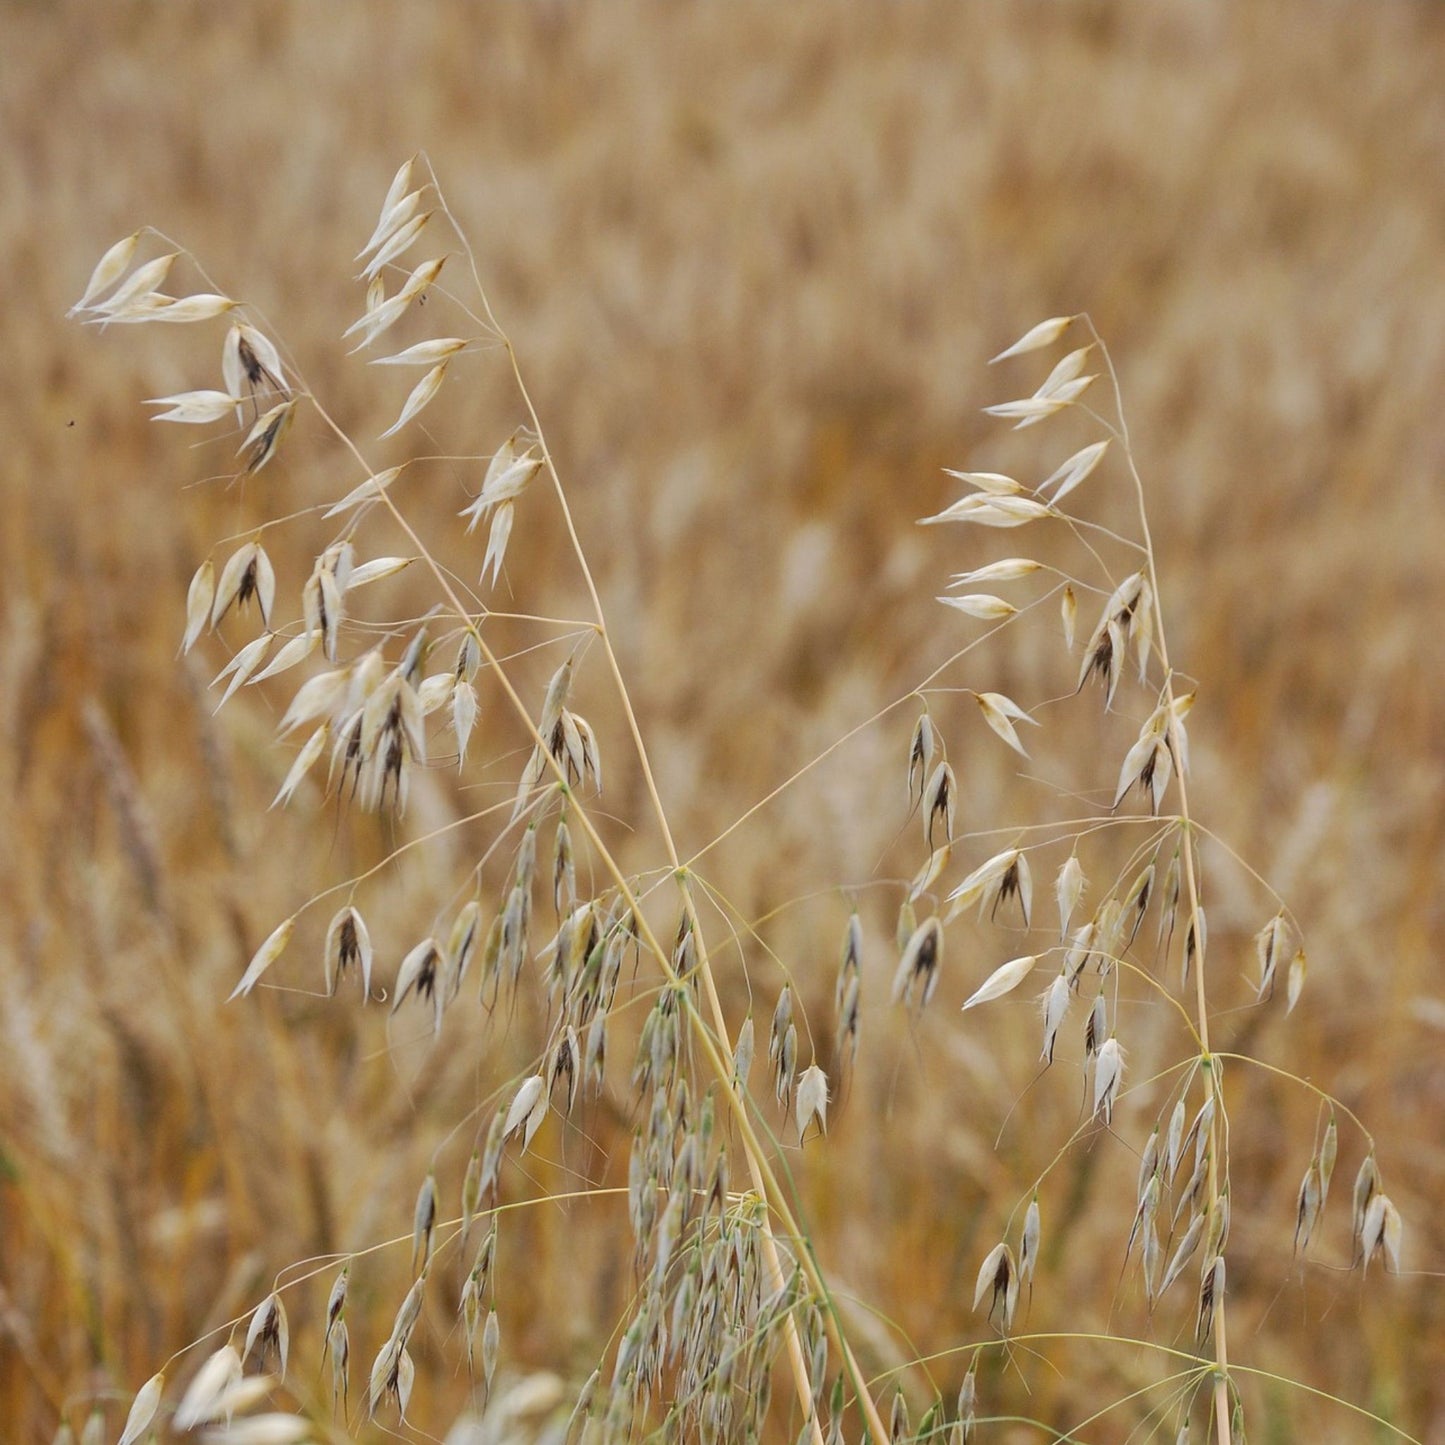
x=1004, y=979
x=998, y=1279
x=264, y=957
x=143, y=1409
x=1108, y=1070
x=1036, y=338
x=812, y=1100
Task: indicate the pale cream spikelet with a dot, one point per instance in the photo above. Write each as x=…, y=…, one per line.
x=399, y=240
x=268, y=1333
x=1307, y=1206
x=398, y=206
x=1006, y=569
x=1329, y=1149
x=423, y=1224
x=242, y=666
x=1108, y=1073
x=1036, y=338
x=920, y=757
x=1068, y=890
x=985, y=883
x=917, y=974
x=527, y=1110
x=348, y=943
x=998, y=1281
x=1001, y=713
x=250, y=365
x=1054, y=1004
x=1029, y=1242
x=419, y=398
x=193, y=408
x=143, y=1409
x=1002, y=980
x=264, y=957
x=108, y=270
x=420, y=972
x=940, y=802
x=221, y=1370
x=266, y=435
x=1072, y=472
x=982, y=605
x=1096, y=1027
x=200, y=598
x=811, y=1104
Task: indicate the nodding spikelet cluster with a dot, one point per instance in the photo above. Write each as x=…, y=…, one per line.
x=718, y=1301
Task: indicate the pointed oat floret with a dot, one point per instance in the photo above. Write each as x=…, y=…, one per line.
x=200, y=596
x=367, y=491
x=464, y=715
x=194, y=408
x=812, y=1100
x=1108, y=1070
x=250, y=363
x=989, y=510
x=143, y=1409
x=917, y=973
x=1367, y=1186
x=743, y=1055
x=1196, y=940
x=1055, y=1004
x=1001, y=713
x=1211, y=1298
x=314, y=746
x=294, y=652
x=983, y=882
x=396, y=244
x=1029, y=1242
x=1002, y=980
x=1007, y=569
x=1270, y=945
x=998, y=1279
x=1182, y=1254
x=1296, y=980
x=241, y=666
x=1328, y=1150
x=400, y=203
x=1036, y=338
x=529, y=1097
x=265, y=436
x=423, y=1223
x=268, y=1333
x=347, y=943
x=939, y=802
x=375, y=571
x=782, y=1018
x=422, y=394
x=264, y=957
x=421, y=970
x=983, y=605
x=1097, y=1028
x=1075, y=470
x=1069, y=615
x=1065, y=372
x=1307, y=1207
x=1069, y=889
x=142, y=282
x=210, y=1383
x=108, y=270
x=920, y=756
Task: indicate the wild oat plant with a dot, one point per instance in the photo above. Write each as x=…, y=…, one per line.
x=549, y=937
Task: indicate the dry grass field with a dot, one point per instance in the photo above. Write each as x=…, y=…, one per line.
x=753, y=259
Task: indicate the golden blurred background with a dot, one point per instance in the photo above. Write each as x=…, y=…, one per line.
x=753, y=259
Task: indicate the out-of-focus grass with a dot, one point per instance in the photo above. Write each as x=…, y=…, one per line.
x=753, y=259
